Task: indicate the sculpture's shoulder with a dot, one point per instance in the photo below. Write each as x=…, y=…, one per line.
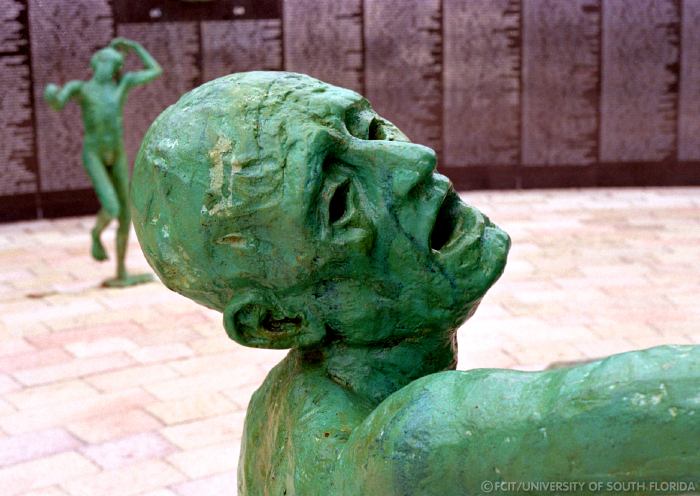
x=297, y=423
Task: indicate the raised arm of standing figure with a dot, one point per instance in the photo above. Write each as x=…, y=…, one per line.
x=151, y=68
x=57, y=97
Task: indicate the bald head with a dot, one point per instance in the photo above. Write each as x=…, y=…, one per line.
x=113, y=58
x=209, y=178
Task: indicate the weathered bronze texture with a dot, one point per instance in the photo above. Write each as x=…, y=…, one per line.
x=101, y=100
x=314, y=224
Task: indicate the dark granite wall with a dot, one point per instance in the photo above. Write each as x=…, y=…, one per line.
x=510, y=93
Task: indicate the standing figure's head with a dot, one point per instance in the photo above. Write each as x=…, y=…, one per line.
x=106, y=63
x=304, y=216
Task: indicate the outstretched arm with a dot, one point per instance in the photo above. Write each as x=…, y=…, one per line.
x=632, y=417
x=151, y=68
x=58, y=97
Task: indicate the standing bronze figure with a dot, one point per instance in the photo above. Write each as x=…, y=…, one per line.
x=101, y=100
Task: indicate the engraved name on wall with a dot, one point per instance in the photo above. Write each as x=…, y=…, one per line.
x=175, y=46
x=403, y=73
x=639, y=80
x=64, y=35
x=560, y=77
x=482, y=101
x=16, y=127
x=323, y=38
x=689, y=98
x=238, y=46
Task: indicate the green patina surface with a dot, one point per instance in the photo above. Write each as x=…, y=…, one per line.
x=101, y=101
x=313, y=223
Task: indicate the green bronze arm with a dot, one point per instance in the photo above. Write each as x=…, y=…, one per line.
x=58, y=97
x=151, y=68
x=631, y=417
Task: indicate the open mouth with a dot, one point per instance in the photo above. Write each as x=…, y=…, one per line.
x=447, y=221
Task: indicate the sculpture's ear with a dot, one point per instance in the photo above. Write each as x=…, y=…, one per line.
x=255, y=319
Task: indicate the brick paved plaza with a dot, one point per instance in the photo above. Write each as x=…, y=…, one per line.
x=139, y=392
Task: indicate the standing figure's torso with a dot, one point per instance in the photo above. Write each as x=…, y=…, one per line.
x=102, y=105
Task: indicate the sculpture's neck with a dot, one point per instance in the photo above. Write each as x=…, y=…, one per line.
x=375, y=372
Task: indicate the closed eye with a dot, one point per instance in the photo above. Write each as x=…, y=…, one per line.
x=338, y=206
x=379, y=129
x=375, y=131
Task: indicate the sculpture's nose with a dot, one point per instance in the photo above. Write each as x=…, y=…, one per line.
x=404, y=164
x=412, y=171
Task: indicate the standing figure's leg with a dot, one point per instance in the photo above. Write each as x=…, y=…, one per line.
x=98, y=250
x=120, y=180
x=120, y=176
x=107, y=196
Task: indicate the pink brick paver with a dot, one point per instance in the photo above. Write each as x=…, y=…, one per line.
x=128, y=450
x=139, y=391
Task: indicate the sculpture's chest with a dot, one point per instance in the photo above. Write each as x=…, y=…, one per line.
x=294, y=433
x=102, y=100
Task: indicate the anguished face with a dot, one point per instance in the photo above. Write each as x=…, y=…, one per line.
x=295, y=204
